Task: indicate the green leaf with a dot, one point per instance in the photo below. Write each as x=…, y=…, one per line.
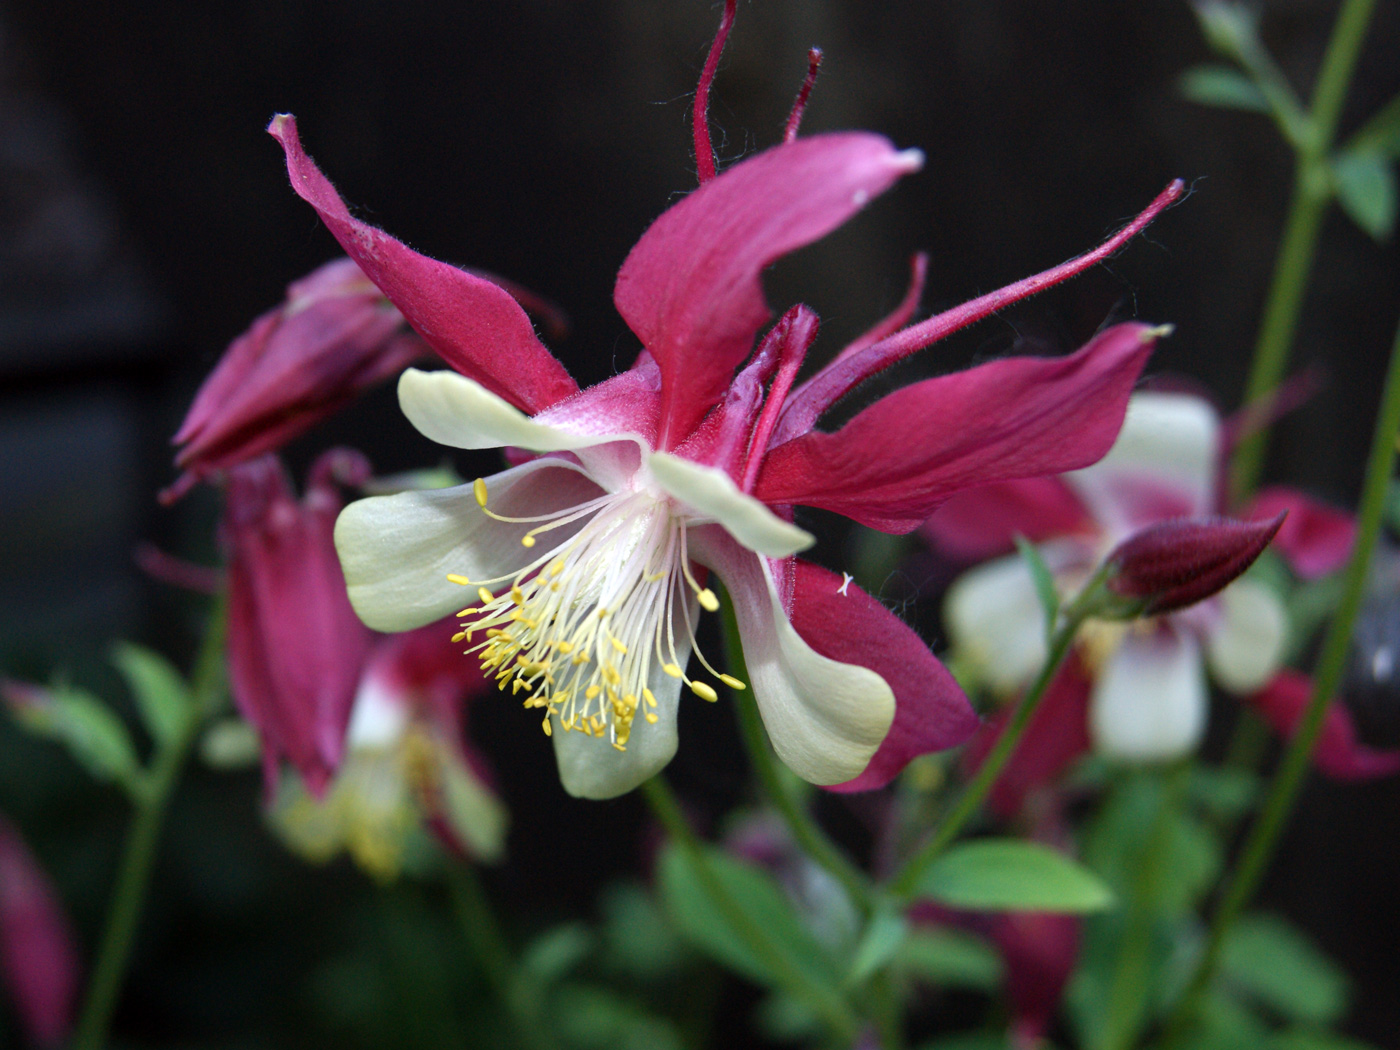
x=95, y=737
x=592, y=1017
x=1380, y=134
x=229, y=744
x=1231, y=29
x=554, y=953
x=1224, y=792
x=759, y=897
x=637, y=937
x=882, y=938
x=1273, y=963
x=1011, y=875
x=1366, y=190
x=1224, y=87
x=1044, y=580
x=1306, y=1039
x=787, y=1020
x=161, y=694
x=948, y=958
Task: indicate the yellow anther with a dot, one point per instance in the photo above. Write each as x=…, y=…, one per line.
x=467, y=611
x=452, y=577
x=555, y=567
x=618, y=645
x=592, y=691
x=548, y=729
x=703, y=691
x=459, y=636
x=671, y=669
x=651, y=717
x=479, y=489
x=707, y=599
x=732, y=682
x=650, y=697
x=486, y=596
x=516, y=594
x=565, y=647
x=527, y=540
x=621, y=745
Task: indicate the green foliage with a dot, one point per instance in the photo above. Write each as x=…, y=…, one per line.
x=555, y=953
x=1044, y=580
x=93, y=735
x=1222, y=86
x=637, y=937
x=1224, y=793
x=881, y=939
x=968, y=1041
x=594, y=1017
x=1275, y=965
x=948, y=958
x=761, y=900
x=160, y=691
x=1012, y=875
x=1365, y=185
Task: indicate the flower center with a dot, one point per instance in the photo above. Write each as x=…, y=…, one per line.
x=582, y=626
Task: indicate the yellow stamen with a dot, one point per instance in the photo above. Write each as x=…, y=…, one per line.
x=732, y=682
x=548, y=729
x=453, y=577
x=707, y=600
x=527, y=540
x=703, y=691
x=671, y=669
x=479, y=490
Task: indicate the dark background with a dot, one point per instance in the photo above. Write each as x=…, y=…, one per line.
x=145, y=218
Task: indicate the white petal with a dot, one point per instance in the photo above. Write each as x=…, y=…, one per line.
x=1168, y=440
x=378, y=718
x=1246, y=646
x=590, y=767
x=712, y=493
x=1149, y=703
x=397, y=550
x=453, y=410
x=995, y=621
x=826, y=719
x=474, y=812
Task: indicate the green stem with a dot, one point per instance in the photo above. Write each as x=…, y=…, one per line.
x=804, y=829
x=1128, y=994
x=667, y=810
x=1312, y=192
x=907, y=880
x=138, y=856
x=1263, y=838
x=490, y=948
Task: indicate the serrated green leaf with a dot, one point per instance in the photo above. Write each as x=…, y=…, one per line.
x=761, y=899
x=554, y=953
x=1222, y=86
x=1045, y=590
x=878, y=943
x=1365, y=184
x=948, y=958
x=1011, y=875
x=1273, y=963
x=160, y=691
x=95, y=737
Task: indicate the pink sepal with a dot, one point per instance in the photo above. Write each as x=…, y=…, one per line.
x=295, y=646
x=1057, y=735
x=690, y=287
x=1338, y=753
x=893, y=464
x=984, y=522
x=37, y=946
x=475, y=326
x=1315, y=538
x=1173, y=564
x=931, y=712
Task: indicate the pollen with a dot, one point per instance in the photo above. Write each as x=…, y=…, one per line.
x=587, y=624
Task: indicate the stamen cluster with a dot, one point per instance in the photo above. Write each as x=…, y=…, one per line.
x=583, y=624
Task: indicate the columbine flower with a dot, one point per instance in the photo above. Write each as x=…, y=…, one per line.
x=587, y=563
x=334, y=337
x=1153, y=495
x=37, y=948
x=407, y=764
x=295, y=647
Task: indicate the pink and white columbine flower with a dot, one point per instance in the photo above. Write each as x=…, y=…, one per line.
x=1145, y=678
x=589, y=559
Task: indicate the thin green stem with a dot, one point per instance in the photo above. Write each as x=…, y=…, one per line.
x=1259, y=848
x=138, y=856
x=833, y=1011
x=1128, y=993
x=804, y=829
x=489, y=947
x=907, y=880
x=1312, y=192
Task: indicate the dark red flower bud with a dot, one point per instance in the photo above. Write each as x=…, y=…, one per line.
x=1173, y=564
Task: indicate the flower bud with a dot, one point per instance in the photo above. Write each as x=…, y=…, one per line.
x=1173, y=564
x=334, y=337
x=37, y=948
